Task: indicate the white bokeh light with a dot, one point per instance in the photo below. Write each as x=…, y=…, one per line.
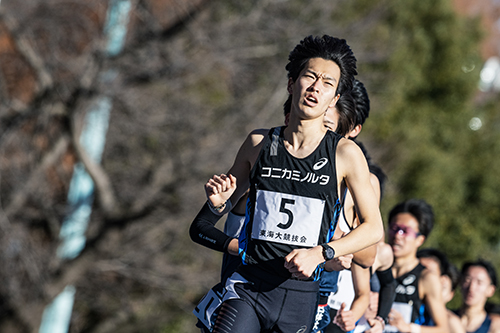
x=490, y=75
x=468, y=68
x=475, y=124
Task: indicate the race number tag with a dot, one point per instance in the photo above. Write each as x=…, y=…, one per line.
x=287, y=218
x=405, y=310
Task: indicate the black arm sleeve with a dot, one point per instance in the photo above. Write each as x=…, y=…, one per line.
x=387, y=293
x=204, y=232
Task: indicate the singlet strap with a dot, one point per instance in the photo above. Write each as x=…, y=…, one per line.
x=344, y=196
x=351, y=228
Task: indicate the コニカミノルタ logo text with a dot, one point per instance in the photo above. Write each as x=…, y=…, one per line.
x=296, y=175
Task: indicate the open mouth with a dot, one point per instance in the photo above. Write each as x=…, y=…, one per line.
x=311, y=99
x=396, y=246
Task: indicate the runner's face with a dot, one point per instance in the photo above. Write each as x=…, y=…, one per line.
x=448, y=291
x=432, y=264
x=331, y=119
x=404, y=235
x=476, y=286
x=314, y=91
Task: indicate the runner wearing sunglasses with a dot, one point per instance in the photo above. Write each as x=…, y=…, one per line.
x=410, y=223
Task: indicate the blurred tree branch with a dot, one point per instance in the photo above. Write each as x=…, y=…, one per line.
x=45, y=81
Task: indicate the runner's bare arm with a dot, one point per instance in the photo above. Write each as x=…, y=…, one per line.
x=218, y=189
x=495, y=323
x=361, y=283
x=351, y=167
x=366, y=257
x=431, y=293
x=245, y=160
x=384, y=258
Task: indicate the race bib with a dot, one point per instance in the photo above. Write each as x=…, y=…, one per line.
x=405, y=310
x=287, y=218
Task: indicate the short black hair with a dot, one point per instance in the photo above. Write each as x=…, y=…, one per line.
x=346, y=109
x=454, y=275
x=362, y=102
x=445, y=266
x=420, y=209
x=439, y=256
x=287, y=106
x=488, y=266
x=328, y=48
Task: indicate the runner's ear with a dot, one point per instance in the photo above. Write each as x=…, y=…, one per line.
x=289, y=87
x=490, y=291
x=355, y=131
x=334, y=101
x=420, y=240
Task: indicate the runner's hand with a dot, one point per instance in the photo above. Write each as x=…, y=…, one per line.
x=339, y=263
x=396, y=320
x=375, y=326
x=303, y=262
x=220, y=188
x=345, y=319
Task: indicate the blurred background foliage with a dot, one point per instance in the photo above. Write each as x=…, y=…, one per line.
x=194, y=78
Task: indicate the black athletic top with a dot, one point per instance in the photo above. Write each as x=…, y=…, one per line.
x=485, y=326
x=407, y=291
x=293, y=203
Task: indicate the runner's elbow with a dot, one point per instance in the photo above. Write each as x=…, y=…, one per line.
x=378, y=232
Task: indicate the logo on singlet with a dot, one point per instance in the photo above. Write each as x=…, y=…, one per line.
x=302, y=329
x=321, y=163
x=409, y=279
x=406, y=288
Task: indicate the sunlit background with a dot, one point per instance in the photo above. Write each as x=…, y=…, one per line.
x=114, y=113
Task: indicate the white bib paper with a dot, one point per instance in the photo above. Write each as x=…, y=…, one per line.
x=405, y=310
x=287, y=218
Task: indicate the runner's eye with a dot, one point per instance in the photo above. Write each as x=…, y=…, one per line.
x=402, y=231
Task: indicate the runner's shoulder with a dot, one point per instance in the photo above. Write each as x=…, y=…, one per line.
x=349, y=155
x=256, y=137
x=349, y=147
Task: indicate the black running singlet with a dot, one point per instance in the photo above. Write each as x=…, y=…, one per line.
x=293, y=203
x=407, y=292
x=485, y=326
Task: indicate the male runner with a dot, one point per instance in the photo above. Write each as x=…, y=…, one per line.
x=294, y=175
x=436, y=261
x=339, y=119
x=410, y=223
x=353, y=294
x=479, y=281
